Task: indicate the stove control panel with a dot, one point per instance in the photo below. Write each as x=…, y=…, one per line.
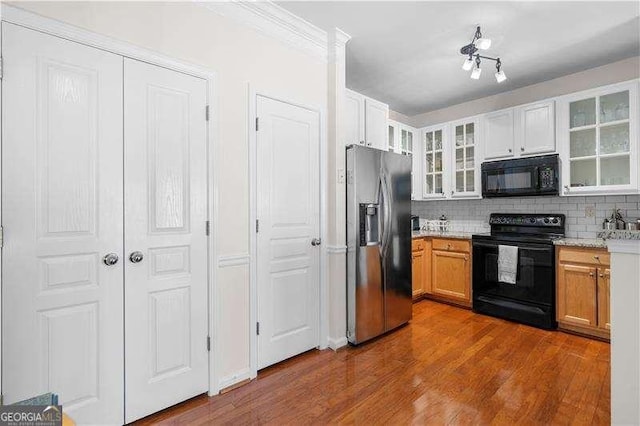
x=539, y=220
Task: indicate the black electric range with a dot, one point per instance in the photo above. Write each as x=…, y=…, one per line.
x=532, y=299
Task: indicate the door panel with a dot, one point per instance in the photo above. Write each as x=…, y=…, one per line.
x=288, y=212
x=577, y=294
x=354, y=118
x=165, y=220
x=499, y=134
x=417, y=269
x=451, y=276
x=62, y=212
x=537, y=124
x=376, y=117
x=604, y=299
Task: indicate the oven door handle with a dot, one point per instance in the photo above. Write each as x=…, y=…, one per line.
x=521, y=246
x=537, y=172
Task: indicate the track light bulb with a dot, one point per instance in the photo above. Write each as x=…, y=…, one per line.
x=468, y=64
x=500, y=76
x=483, y=43
x=475, y=74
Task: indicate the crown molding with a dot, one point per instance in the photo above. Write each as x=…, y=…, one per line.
x=275, y=21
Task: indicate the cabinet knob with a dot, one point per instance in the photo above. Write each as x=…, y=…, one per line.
x=596, y=257
x=591, y=274
x=566, y=189
x=522, y=148
x=110, y=259
x=601, y=275
x=136, y=257
x=448, y=246
x=361, y=142
x=510, y=150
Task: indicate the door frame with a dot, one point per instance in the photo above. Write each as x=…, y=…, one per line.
x=72, y=33
x=323, y=320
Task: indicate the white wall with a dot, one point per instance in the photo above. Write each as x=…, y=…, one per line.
x=240, y=56
x=625, y=332
x=616, y=72
x=399, y=117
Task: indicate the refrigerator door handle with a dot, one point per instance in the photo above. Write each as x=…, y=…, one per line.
x=386, y=214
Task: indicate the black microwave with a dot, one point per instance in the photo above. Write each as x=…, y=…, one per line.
x=521, y=176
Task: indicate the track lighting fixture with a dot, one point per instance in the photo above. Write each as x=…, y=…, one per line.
x=480, y=43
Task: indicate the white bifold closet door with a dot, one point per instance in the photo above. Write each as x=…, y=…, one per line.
x=104, y=207
x=62, y=210
x=165, y=169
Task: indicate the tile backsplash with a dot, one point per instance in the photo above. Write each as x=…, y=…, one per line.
x=584, y=214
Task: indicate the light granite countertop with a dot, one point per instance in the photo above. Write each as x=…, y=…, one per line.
x=581, y=242
x=619, y=234
x=447, y=234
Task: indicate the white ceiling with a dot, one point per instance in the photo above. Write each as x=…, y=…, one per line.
x=407, y=53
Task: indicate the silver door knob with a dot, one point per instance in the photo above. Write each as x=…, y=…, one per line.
x=315, y=242
x=136, y=257
x=110, y=259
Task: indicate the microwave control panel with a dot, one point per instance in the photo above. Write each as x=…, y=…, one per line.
x=547, y=178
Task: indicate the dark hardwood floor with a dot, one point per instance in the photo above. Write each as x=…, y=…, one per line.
x=448, y=366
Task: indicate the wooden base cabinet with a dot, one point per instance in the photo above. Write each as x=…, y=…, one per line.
x=451, y=271
x=582, y=291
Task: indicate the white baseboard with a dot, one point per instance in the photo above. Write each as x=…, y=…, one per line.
x=236, y=378
x=337, y=343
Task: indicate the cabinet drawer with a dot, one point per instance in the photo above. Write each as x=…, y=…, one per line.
x=417, y=244
x=451, y=245
x=582, y=255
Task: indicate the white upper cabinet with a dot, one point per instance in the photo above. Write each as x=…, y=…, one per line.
x=366, y=121
x=535, y=124
x=354, y=118
x=376, y=116
x=515, y=132
x=499, y=135
x=598, y=136
x=465, y=166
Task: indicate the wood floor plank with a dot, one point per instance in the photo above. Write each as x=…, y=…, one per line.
x=448, y=366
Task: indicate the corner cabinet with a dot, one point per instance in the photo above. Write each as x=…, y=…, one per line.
x=598, y=136
x=365, y=121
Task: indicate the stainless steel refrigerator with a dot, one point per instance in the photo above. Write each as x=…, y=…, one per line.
x=378, y=242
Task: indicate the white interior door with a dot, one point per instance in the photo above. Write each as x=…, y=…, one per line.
x=165, y=222
x=288, y=194
x=62, y=212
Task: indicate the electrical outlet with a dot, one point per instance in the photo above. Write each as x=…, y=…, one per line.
x=340, y=175
x=590, y=211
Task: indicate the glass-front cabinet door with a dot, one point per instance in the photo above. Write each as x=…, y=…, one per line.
x=433, y=166
x=406, y=141
x=600, y=139
x=394, y=136
x=465, y=166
